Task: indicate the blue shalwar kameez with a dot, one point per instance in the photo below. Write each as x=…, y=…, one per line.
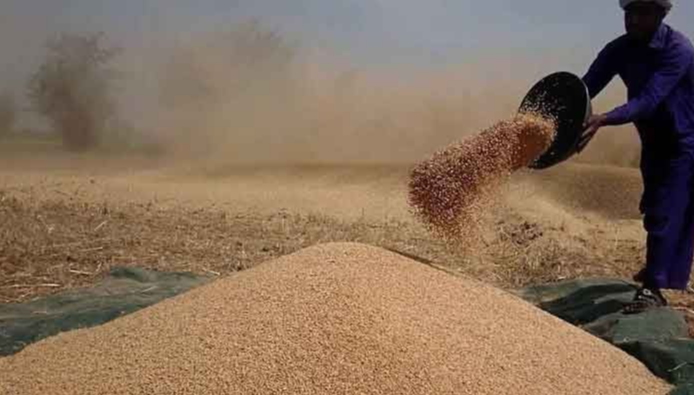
x=660, y=83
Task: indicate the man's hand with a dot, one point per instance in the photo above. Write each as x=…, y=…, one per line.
x=590, y=129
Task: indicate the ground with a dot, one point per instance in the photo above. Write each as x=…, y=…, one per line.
x=66, y=219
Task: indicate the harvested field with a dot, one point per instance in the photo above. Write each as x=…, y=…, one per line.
x=251, y=145
x=67, y=219
x=66, y=228
x=337, y=318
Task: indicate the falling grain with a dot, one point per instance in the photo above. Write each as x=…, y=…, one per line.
x=450, y=191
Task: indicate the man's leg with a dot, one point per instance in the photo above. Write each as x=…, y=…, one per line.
x=681, y=267
x=670, y=238
x=640, y=276
x=667, y=219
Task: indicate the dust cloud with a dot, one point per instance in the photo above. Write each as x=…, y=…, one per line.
x=250, y=94
x=273, y=103
x=264, y=100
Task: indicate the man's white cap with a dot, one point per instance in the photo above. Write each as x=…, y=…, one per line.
x=666, y=4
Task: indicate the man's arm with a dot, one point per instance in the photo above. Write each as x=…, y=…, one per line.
x=602, y=71
x=671, y=70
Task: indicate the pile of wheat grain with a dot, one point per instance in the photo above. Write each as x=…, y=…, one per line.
x=331, y=319
x=451, y=190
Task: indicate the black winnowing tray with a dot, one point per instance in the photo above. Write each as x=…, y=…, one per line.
x=563, y=97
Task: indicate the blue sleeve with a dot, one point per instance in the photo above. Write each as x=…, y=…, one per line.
x=672, y=68
x=602, y=71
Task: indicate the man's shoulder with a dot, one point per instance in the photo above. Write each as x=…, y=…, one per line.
x=678, y=40
x=617, y=44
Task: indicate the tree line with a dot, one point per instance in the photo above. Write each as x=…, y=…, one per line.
x=74, y=87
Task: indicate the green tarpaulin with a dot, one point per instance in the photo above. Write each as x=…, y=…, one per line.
x=658, y=338
x=124, y=291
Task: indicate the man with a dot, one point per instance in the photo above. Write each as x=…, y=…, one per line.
x=656, y=63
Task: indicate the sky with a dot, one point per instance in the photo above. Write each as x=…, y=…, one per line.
x=407, y=34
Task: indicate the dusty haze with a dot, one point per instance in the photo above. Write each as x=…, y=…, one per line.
x=318, y=109
x=198, y=99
